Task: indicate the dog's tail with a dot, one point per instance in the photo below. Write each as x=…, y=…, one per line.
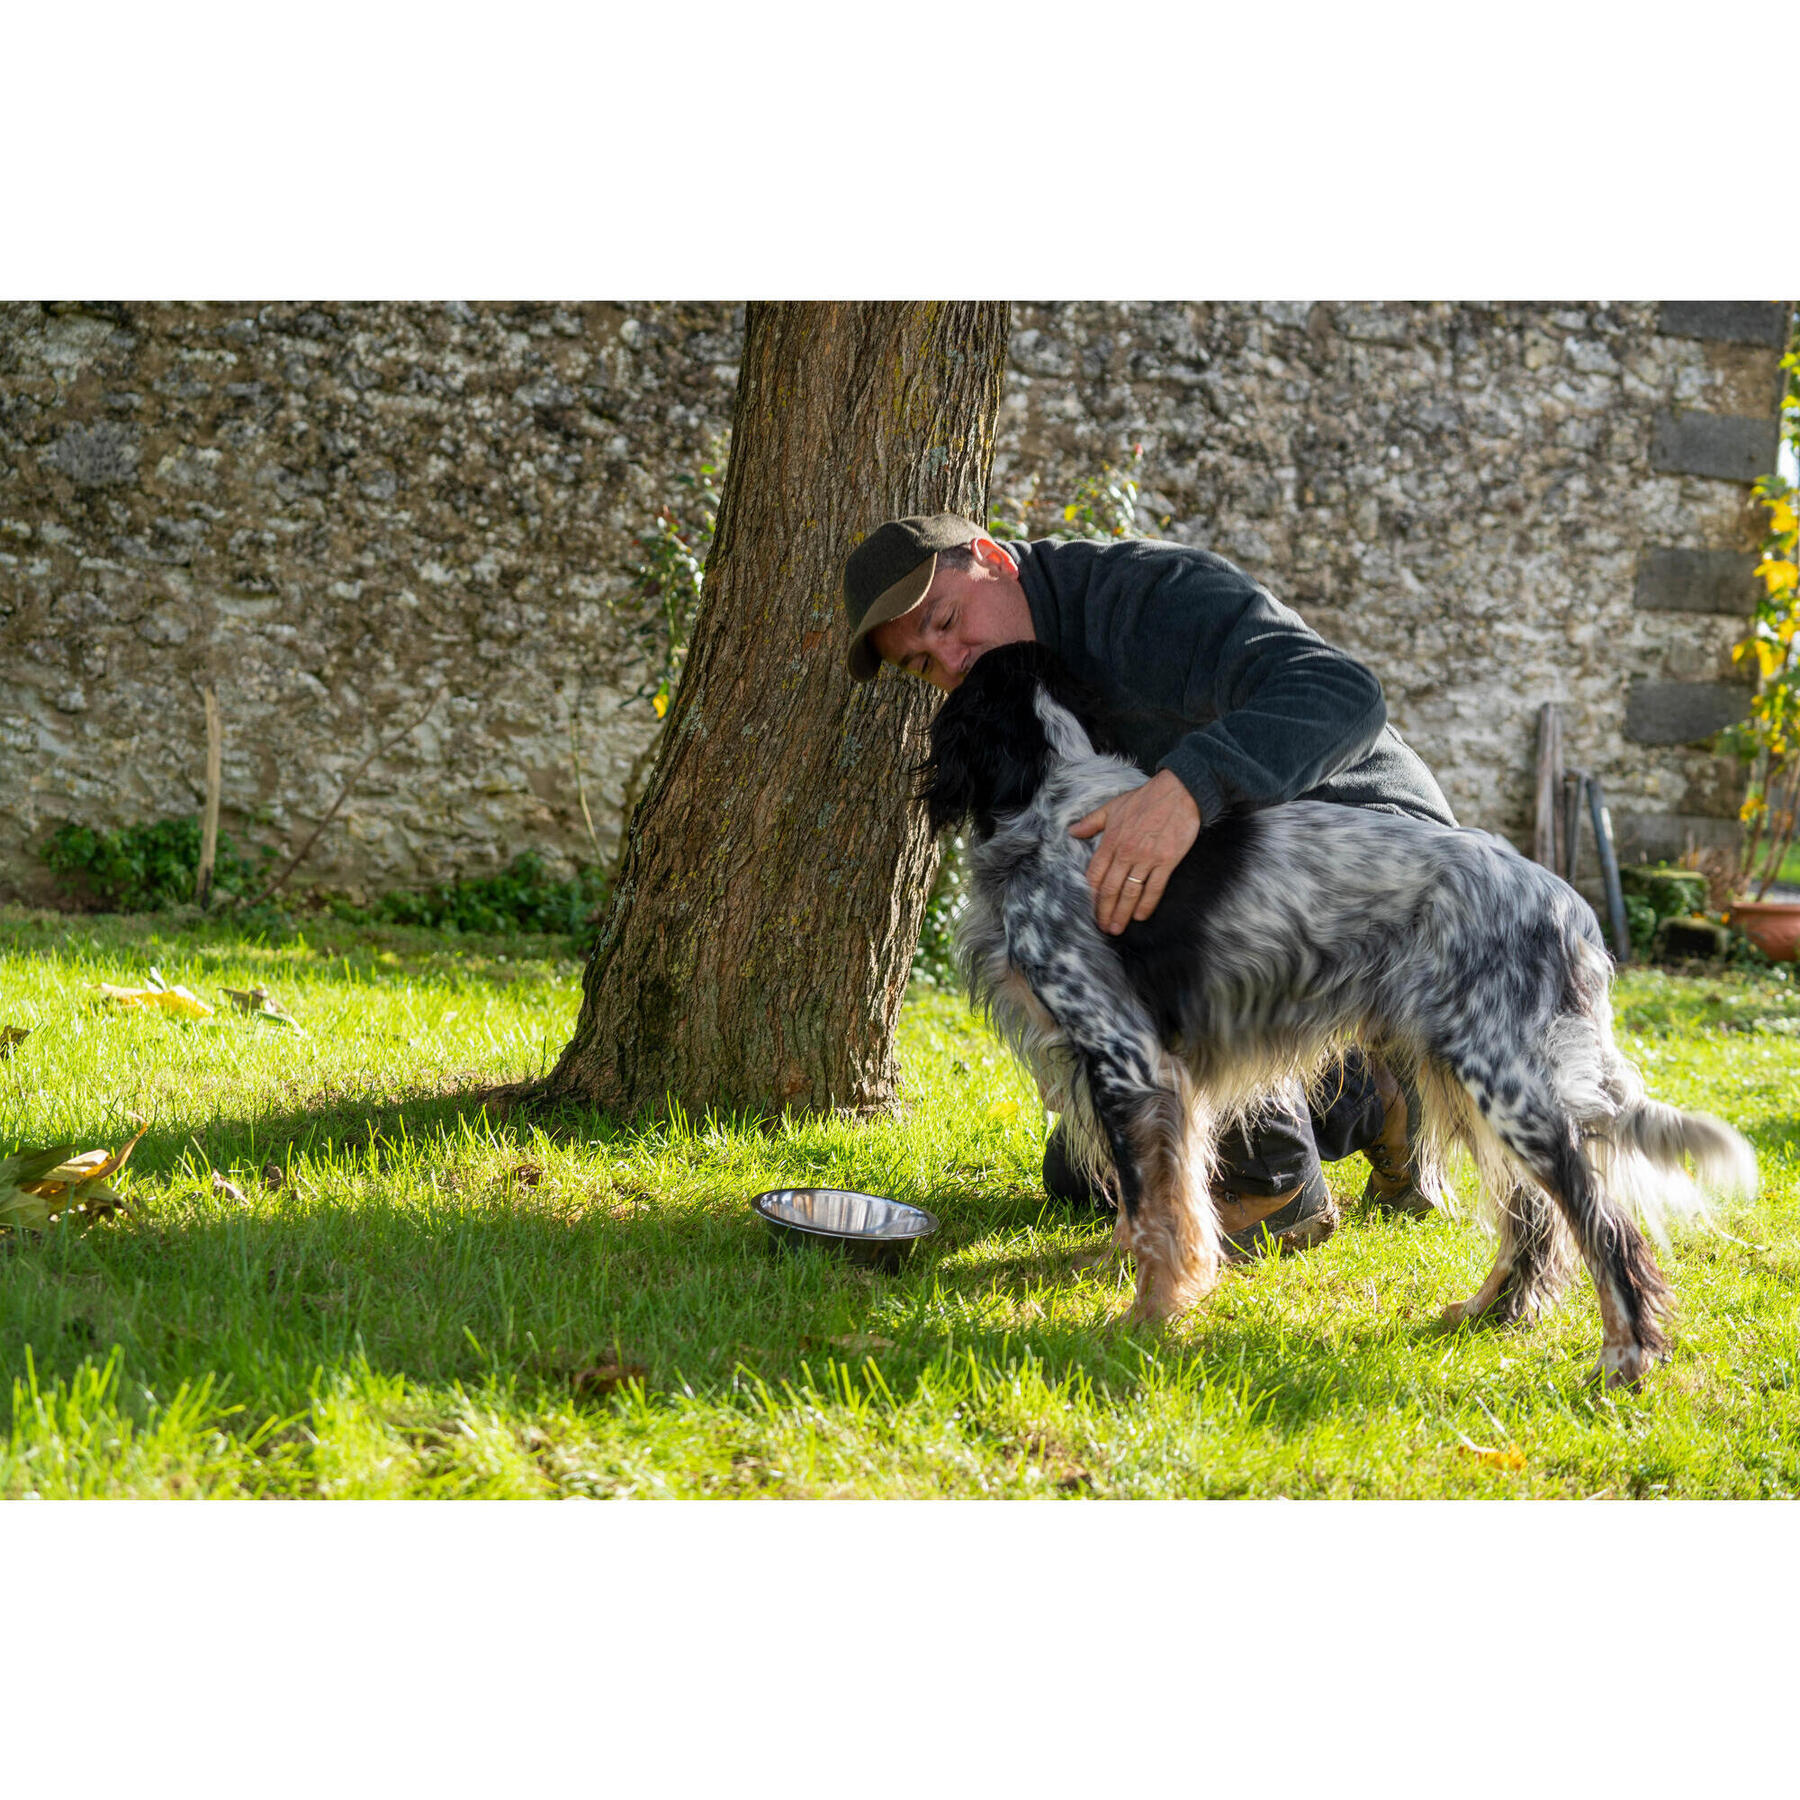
x=1645, y=1155
x=1723, y=1161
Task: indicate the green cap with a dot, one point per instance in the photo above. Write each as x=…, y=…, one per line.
x=888, y=574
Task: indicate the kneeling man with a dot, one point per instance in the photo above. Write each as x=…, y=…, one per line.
x=1230, y=702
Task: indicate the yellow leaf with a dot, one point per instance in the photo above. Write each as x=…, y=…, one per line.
x=1004, y=1109
x=661, y=703
x=1510, y=1457
x=177, y=1000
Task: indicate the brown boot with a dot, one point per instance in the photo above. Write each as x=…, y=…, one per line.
x=1253, y=1224
x=1393, y=1186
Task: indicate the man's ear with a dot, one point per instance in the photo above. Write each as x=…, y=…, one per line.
x=997, y=559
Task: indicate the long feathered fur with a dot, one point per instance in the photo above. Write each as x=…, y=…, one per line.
x=1283, y=936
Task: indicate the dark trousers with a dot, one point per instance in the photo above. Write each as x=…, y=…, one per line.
x=1285, y=1145
x=1290, y=1139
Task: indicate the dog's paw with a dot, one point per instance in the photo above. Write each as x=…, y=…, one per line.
x=1623, y=1365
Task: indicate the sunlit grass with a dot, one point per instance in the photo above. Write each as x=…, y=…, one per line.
x=406, y=1294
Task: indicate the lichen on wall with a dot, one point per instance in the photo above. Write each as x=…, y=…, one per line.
x=332, y=513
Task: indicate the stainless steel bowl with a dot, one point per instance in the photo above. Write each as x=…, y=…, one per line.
x=864, y=1227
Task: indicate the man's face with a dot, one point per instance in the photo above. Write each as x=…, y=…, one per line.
x=965, y=613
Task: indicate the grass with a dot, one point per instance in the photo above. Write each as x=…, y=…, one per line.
x=415, y=1301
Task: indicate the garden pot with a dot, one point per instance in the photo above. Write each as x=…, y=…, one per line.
x=1773, y=926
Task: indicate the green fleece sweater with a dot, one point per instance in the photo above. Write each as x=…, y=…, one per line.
x=1218, y=682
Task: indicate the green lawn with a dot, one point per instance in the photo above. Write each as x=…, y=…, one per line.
x=412, y=1301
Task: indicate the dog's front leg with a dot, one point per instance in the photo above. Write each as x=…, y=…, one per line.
x=1154, y=1128
x=1166, y=1214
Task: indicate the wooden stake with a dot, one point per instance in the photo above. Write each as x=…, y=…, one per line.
x=209, y=818
x=1609, y=868
x=1544, y=845
x=1572, y=782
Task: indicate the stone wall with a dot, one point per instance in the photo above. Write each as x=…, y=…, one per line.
x=1492, y=506
x=331, y=512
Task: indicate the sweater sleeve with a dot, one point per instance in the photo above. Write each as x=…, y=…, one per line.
x=1288, y=711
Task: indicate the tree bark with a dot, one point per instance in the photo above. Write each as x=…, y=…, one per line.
x=776, y=871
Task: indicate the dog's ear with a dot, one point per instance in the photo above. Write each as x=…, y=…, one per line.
x=988, y=749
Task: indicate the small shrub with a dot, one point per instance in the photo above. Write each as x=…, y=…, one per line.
x=143, y=868
x=934, y=960
x=523, y=896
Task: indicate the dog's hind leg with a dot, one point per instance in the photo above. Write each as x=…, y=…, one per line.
x=1543, y=1135
x=1533, y=1259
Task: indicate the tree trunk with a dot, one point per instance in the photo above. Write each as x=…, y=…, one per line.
x=776, y=872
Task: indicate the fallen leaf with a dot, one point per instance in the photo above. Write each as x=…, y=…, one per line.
x=273, y=1175
x=602, y=1378
x=10, y=1037
x=527, y=1174
x=862, y=1340
x=36, y=1185
x=1508, y=1456
x=229, y=1189
x=258, y=1004
x=176, y=1000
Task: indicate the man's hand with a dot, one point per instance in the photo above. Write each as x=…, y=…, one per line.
x=1147, y=832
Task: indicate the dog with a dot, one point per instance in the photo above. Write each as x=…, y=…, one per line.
x=1284, y=936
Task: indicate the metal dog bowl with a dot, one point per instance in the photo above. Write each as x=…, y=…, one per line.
x=864, y=1227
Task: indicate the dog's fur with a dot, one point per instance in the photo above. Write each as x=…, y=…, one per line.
x=1284, y=935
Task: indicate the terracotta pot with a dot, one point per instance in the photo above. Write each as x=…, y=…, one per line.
x=1773, y=926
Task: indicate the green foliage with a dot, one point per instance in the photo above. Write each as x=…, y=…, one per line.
x=934, y=961
x=667, y=581
x=1103, y=506
x=142, y=868
x=524, y=896
x=1769, y=740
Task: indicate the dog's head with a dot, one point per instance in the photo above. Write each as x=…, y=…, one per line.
x=991, y=745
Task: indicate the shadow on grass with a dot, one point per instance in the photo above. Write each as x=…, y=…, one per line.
x=476, y=1280
x=525, y=1289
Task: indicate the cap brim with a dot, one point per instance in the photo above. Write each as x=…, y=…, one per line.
x=890, y=603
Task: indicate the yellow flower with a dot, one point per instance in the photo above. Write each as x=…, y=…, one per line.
x=1779, y=577
x=1781, y=518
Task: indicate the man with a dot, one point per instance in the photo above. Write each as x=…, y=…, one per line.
x=1230, y=702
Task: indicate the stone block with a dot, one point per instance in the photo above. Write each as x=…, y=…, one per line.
x=1692, y=936
x=1668, y=891
x=1724, y=446
x=1705, y=581
x=1682, y=712
x=1726, y=321
x=1665, y=837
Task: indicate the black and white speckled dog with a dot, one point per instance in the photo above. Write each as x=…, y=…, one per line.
x=1282, y=936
